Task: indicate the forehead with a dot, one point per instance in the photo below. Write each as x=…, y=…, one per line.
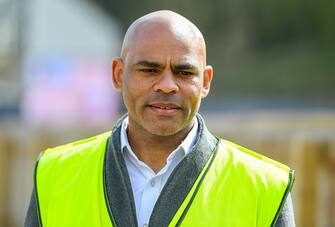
x=157, y=42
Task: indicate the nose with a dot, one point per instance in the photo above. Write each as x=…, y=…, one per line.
x=166, y=83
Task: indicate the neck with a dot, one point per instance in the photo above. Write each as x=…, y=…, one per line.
x=152, y=149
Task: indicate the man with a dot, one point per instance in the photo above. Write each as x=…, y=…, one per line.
x=160, y=166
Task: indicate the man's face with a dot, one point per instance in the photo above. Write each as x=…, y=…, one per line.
x=163, y=79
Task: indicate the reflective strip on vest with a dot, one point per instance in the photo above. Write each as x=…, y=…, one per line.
x=237, y=187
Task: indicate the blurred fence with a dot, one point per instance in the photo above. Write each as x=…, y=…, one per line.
x=303, y=140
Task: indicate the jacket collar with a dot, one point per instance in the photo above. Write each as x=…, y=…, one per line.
x=119, y=195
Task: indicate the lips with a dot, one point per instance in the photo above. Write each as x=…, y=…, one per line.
x=164, y=108
x=165, y=105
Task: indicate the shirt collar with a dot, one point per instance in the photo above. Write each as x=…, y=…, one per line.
x=186, y=145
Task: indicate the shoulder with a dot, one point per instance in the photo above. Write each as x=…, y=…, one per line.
x=74, y=149
x=248, y=156
x=254, y=167
x=83, y=143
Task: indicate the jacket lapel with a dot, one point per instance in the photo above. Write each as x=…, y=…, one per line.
x=118, y=189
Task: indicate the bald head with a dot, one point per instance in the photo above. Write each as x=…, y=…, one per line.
x=162, y=74
x=163, y=24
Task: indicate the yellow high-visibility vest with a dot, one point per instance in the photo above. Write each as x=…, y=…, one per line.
x=237, y=187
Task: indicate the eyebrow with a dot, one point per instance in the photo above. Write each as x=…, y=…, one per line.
x=149, y=64
x=185, y=66
x=153, y=64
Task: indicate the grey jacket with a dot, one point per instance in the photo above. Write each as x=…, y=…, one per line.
x=119, y=192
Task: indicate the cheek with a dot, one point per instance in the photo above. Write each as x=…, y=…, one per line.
x=129, y=92
x=137, y=84
x=135, y=91
x=192, y=92
x=130, y=85
x=196, y=88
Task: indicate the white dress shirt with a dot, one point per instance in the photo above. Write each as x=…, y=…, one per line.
x=145, y=183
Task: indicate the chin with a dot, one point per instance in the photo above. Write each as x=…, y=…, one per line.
x=163, y=130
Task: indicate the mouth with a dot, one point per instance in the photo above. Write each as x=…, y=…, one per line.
x=166, y=109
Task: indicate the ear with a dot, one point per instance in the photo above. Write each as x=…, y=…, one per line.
x=117, y=73
x=208, y=75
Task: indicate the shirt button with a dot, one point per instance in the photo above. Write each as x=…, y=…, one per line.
x=152, y=183
x=145, y=225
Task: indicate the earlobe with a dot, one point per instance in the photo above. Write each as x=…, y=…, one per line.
x=207, y=79
x=117, y=73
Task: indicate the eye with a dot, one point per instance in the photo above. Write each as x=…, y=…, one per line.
x=149, y=70
x=185, y=73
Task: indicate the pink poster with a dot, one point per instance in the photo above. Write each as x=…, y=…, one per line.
x=60, y=91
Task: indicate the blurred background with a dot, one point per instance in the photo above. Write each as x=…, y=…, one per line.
x=273, y=90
